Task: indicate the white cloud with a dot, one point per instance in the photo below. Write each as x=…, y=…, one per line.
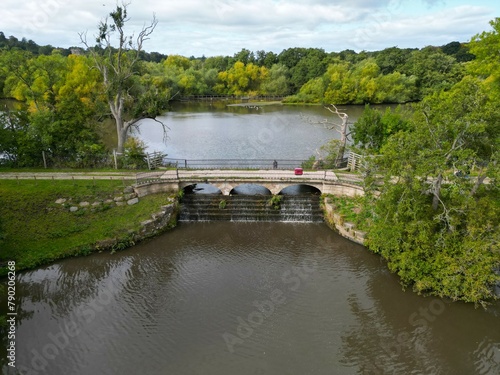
x=214, y=27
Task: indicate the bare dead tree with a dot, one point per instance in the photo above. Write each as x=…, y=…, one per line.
x=117, y=66
x=341, y=128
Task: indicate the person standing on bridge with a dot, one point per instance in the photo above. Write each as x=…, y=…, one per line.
x=275, y=164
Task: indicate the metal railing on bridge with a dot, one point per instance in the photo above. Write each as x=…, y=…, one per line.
x=233, y=163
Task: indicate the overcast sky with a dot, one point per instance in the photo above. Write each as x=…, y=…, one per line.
x=224, y=27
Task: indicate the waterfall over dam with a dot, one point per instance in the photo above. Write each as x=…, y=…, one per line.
x=303, y=208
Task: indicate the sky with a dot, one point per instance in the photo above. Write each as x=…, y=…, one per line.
x=224, y=27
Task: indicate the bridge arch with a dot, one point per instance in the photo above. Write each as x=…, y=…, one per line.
x=301, y=189
x=250, y=189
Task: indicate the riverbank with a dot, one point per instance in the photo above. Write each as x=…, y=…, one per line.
x=45, y=220
x=345, y=216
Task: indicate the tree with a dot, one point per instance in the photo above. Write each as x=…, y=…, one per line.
x=335, y=149
x=434, y=70
x=276, y=83
x=245, y=56
x=341, y=87
x=304, y=64
x=242, y=79
x=392, y=59
x=118, y=66
x=485, y=47
x=373, y=128
x=430, y=221
x=60, y=96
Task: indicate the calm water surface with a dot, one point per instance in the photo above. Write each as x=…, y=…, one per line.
x=217, y=131
x=243, y=298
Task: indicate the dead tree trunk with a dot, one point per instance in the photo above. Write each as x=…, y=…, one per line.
x=342, y=129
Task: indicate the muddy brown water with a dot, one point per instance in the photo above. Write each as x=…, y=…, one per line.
x=243, y=298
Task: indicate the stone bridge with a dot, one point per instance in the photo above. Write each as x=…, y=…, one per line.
x=326, y=182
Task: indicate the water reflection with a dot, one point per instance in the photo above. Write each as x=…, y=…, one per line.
x=412, y=334
x=166, y=306
x=216, y=131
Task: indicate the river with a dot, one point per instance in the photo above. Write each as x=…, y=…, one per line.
x=243, y=298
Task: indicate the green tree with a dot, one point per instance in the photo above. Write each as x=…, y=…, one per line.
x=61, y=96
x=365, y=75
x=485, y=47
x=304, y=64
x=458, y=50
x=177, y=62
x=245, y=56
x=392, y=59
x=341, y=87
x=396, y=88
x=276, y=82
x=373, y=128
x=433, y=69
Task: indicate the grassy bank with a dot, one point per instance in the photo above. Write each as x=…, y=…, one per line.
x=35, y=230
x=351, y=208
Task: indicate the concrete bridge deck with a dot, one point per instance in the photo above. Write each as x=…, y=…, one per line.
x=226, y=180
x=262, y=174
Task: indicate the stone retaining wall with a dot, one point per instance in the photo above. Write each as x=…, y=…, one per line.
x=164, y=219
x=156, y=187
x=344, y=228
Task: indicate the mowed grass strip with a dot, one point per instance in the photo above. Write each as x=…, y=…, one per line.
x=34, y=230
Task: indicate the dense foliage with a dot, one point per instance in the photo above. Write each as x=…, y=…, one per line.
x=435, y=218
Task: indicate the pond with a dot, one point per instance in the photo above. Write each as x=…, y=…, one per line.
x=219, y=131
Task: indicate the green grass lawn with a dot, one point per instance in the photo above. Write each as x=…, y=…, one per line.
x=69, y=170
x=34, y=230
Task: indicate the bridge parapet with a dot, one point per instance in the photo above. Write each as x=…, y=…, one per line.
x=226, y=180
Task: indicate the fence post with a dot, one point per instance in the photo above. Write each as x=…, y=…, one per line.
x=185, y=163
x=44, y=160
x=149, y=161
x=116, y=161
